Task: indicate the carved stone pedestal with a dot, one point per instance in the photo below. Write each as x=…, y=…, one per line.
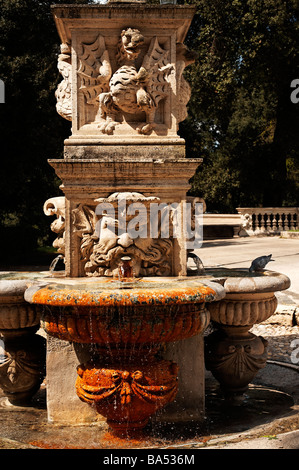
x=124, y=91
x=22, y=352
x=22, y=364
x=128, y=393
x=232, y=353
x=234, y=356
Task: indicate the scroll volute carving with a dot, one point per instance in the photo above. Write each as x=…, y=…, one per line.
x=184, y=57
x=56, y=206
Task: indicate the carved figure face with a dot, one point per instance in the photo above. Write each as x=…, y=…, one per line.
x=131, y=42
x=113, y=230
x=149, y=256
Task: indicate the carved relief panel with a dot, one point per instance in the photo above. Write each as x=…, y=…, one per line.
x=107, y=229
x=124, y=82
x=103, y=240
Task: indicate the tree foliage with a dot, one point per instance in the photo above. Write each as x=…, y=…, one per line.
x=30, y=129
x=241, y=118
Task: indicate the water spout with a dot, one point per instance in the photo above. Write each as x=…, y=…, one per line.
x=199, y=264
x=125, y=269
x=57, y=264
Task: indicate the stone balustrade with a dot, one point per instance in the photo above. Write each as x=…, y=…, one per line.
x=268, y=220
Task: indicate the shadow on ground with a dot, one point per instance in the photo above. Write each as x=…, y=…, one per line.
x=268, y=408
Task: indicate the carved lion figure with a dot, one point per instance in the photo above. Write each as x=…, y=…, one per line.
x=103, y=245
x=130, y=79
x=130, y=89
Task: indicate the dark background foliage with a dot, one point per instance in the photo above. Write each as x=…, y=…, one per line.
x=241, y=119
x=31, y=131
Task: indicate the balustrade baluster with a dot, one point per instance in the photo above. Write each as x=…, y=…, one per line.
x=275, y=223
x=254, y=222
x=280, y=221
x=268, y=221
x=292, y=222
x=271, y=219
x=263, y=222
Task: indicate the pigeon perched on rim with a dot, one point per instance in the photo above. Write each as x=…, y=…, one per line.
x=258, y=264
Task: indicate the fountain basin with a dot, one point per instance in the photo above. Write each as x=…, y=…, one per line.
x=127, y=322
x=111, y=312
x=249, y=296
x=15, y=313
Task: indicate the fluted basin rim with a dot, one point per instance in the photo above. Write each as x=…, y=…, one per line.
x=14, y=283
x=240, y=280
x=105, y=292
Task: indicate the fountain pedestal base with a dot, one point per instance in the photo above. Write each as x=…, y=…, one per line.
x=63, y=404
x=127, y=395
x=22, y=368
x=234, y=356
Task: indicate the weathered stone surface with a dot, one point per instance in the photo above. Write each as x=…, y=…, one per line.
x=22, y=352
x=87, y=181
x=63, y=404
x=235, y=310
x=233, y=354
x=22, y=366
x=189, y=403
x=124, y=91
x=98, y=149
x=122, y=69
x=234, y=357
x=56, y=206
x=270, y=281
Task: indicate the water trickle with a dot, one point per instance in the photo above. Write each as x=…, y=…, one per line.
x=198, y=263
x=57, y=264
x=125, y=269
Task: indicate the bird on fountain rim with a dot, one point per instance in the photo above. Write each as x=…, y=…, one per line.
x=258, y=264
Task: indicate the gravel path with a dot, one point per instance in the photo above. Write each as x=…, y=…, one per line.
x=282, y=333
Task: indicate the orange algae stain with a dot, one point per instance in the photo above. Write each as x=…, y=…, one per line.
x=113, y=440
x=47, y=445
x=122, y=439
x=69, y=297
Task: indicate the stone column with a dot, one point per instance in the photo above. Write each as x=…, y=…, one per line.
x=124, y=91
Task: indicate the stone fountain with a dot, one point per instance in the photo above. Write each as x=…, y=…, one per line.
x=124, y=321
x=126, y=326
x=126, y=380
